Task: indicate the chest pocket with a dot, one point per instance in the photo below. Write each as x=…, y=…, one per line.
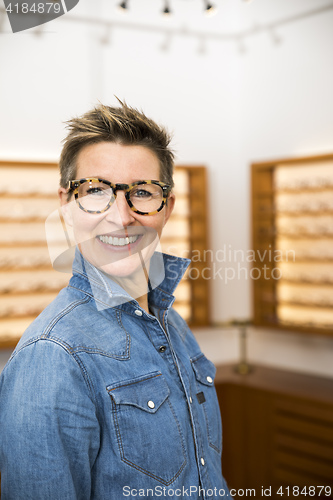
x=205, y=371
x=148, y=432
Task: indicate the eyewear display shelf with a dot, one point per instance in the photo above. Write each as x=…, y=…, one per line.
x=28, y=283
x=292, y=235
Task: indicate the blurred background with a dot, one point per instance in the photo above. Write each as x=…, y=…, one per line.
x=251, y=84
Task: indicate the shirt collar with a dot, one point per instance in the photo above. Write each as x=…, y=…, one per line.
x=165, y=273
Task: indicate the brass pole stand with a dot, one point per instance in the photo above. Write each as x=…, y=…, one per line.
x=242, y=367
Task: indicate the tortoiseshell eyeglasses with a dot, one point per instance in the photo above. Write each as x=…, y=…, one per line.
x=95, y=196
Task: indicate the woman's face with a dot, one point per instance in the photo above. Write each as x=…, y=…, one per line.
x=117, y=240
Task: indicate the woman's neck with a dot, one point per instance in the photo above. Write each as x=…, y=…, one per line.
x=136, y=285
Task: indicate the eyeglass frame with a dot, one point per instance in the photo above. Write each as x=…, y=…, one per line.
x=74, y=185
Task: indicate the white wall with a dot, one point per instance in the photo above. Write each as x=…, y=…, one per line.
x=226, y=106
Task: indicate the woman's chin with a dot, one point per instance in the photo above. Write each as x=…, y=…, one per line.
x=125, y=268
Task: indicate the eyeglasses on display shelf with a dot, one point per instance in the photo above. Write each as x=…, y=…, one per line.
x=292, y=215
x=28, y=283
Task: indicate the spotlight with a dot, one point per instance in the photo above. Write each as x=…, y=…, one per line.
x=210, y=9
x=166, y=11
x=123, y=5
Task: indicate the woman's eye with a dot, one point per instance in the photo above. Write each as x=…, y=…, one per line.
x=95, y=191
x=142, y=193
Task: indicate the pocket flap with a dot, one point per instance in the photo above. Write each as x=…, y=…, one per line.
x=204, y=370
x=147, y=392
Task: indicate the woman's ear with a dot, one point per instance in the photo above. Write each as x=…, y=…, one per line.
x=170, y=203
x=65, y=205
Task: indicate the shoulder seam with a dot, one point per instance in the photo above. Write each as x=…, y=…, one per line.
x=63, y=313
x=67, y=348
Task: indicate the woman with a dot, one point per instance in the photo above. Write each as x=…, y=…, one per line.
x=107, y=394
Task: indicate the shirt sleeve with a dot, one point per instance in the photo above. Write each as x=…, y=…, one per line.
x=49, y=429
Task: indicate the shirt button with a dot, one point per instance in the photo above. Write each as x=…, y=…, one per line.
x=151, y=404
x=138, y=312
x=162, y=348
x=191, y=400
x=209, y=379
x=202, y=460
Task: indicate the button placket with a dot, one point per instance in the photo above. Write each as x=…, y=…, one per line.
x=159, y=338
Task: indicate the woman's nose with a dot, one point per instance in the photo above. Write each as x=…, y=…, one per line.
x=120, y=212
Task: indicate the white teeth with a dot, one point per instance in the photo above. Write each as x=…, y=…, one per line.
x=118, y=242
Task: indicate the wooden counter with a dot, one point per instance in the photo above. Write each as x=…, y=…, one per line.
x=277, y=430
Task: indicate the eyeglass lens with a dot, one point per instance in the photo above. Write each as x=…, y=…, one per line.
x=96, y=196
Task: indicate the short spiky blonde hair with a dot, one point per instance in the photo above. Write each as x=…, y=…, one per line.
x=123, y=125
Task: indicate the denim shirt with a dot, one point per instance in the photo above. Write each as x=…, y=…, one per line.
x=110, y=402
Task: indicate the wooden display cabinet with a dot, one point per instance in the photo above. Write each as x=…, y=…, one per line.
x=292, y=235
x=28, y=283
